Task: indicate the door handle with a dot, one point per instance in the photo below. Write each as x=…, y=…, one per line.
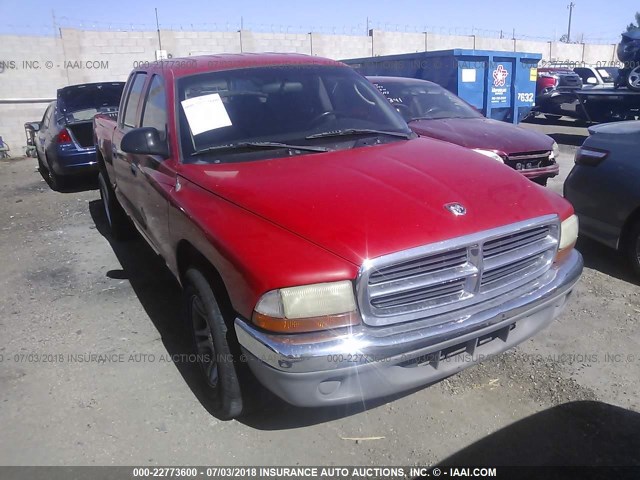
x=134, y=169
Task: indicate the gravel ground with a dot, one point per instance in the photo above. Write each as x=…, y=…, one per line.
x=67, y=292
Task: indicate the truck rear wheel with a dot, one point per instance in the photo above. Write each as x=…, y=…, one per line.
x=211, y=343
x=119, y=225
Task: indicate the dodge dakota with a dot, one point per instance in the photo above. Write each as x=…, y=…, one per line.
x=321, y=245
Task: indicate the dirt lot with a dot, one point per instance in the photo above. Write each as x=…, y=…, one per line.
x=569, y=395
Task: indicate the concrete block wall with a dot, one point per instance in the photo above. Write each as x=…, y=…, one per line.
x=534, y=47
x=341, y=46
x=502, y=44
x=448, y=42
x=599, y=54
x=389, y=43
x=276, y=42
x=12, y=120
x=35, y=67
x=566, y=51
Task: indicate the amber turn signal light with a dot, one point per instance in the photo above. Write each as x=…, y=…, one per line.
x=300, y=325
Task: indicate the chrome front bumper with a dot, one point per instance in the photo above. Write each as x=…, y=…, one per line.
x=361, y=363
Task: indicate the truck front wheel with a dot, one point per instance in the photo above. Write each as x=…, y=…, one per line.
x=211, y=342
x=119, y=225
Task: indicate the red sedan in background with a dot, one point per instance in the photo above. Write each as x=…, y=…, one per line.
x=433, y=111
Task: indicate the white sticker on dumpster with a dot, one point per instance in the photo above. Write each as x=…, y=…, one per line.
x=205, y=113
x=468, y=75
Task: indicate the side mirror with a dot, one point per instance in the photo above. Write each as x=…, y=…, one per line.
x=592, y=81
x=144, y=141
x=36, y=126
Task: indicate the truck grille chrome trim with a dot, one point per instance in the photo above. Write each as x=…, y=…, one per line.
x=529, y=160
x=465, y=275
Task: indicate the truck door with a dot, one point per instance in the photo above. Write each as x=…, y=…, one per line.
x=156, y=175
x=126, y=171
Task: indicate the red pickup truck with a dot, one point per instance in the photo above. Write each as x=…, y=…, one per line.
x=317, y=239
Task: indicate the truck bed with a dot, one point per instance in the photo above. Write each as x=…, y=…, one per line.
x=608, y=104
x=104, y=125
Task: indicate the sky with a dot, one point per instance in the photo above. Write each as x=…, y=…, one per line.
x=598, y=21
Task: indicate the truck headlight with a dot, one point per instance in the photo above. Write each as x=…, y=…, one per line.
x=490, y=154
x=568, y=236
x=307, y=308
x=555, y=150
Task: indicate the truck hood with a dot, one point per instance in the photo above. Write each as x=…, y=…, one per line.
x=483, y=133
x=371, y=201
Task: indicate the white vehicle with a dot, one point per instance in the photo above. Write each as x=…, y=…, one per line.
x=596, y=77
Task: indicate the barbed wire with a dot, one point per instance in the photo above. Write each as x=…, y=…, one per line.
x=359, y=29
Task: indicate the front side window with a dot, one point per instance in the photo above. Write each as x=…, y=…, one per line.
x=425, y=101
x=131, y=107
x=285, y=104
x=155, y=108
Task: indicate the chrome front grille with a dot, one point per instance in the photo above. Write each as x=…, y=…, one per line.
x=457, y=274
x=529, y=160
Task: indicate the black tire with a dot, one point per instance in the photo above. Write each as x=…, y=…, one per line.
x=633, y=247
x=56, y=182
x=119, y=224
x=42, y=168
x=213, y=343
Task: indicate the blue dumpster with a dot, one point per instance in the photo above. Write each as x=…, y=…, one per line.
x=502, y=85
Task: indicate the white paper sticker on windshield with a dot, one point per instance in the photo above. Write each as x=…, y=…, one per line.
x=468, y=75
x=205, y=113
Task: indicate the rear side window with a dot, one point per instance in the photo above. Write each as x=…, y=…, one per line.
x=155, y=108
x=131, y=107
x=47, y=115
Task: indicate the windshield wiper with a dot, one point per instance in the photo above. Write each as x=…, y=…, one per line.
x=358, y=131
x=257, y=146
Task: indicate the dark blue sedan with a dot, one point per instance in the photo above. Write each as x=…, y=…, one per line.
x=604, y=187
x=64, y=138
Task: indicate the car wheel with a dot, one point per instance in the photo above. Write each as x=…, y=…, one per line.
x=119, y=224
x=42, y=168
x=633, y=79
x=57, y=182
x=633, y=247
x=211, y=345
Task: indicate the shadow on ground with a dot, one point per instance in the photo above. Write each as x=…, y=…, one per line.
x=606, y=260
x=160, y=296
x=75, y=184
x=573, y=434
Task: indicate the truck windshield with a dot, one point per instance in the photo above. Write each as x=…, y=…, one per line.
x=421, y=100
x=291, y=104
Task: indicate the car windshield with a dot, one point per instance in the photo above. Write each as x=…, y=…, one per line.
x=303, y=105
x=425, y=100
x=608, y=74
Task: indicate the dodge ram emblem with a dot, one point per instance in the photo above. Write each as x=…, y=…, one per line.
x=456, y=209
